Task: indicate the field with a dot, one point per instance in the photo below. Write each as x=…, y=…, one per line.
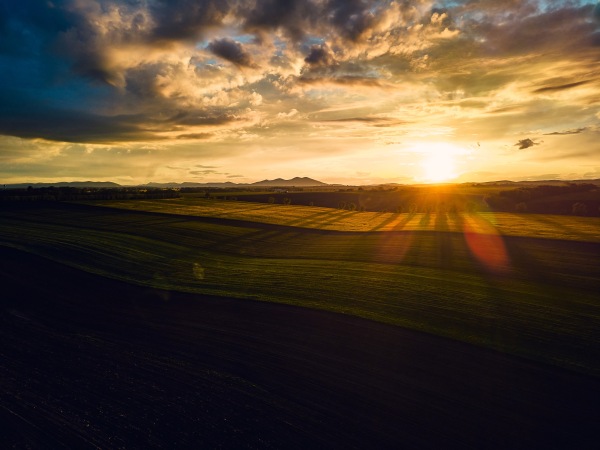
x=320, y=218
x=444, y=320
x=541, y=199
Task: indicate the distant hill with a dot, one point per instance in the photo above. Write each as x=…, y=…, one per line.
x=297, y=181
x=539, y=182
x=279, y=182
x=77, y=184
x=189, y=184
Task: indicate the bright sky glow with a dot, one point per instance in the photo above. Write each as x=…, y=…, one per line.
x=439, y=163
x=344, y=91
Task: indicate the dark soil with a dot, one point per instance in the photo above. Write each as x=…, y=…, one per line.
x=90, y=362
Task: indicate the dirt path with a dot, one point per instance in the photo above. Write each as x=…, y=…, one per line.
x=90, y=362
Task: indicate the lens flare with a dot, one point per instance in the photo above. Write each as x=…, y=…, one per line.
x=486, y=244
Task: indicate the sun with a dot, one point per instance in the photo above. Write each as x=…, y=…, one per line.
x=438, y=161
x=438, y=167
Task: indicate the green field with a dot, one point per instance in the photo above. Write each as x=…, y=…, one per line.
x=522, y=284
x=531, y=225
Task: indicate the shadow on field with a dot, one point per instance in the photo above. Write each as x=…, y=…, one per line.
x=317, y=218
x=391, y=219
x=87, y=361
x=552, y=222
x=425, y=220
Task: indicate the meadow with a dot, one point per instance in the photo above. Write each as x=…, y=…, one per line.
x=521, y=284
x=192, y=321
x=90, y=362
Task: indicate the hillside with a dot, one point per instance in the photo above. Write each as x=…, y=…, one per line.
x=297, y=181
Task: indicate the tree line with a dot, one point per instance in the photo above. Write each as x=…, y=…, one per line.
x=68, y=193
x=575, y=199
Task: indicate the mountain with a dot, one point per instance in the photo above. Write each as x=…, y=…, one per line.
x=297, y=182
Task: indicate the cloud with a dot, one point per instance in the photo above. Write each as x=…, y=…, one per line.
x=586, y=154
x=291, y=16
x=320, y=55
x=344, y=80
x=203, y=172
x=525, y=143
x=231, y=51
x=350, y=20
x=177, y=20
x=543, y=177
x=560, y=87
x=380, y=122
x=288, y=115
x=567, y=132
x=24, y=117
x=526, y=26
x=250, y=77
x=195, y=136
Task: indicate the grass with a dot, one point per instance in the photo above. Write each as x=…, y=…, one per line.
x=89, y=361
x=538, y=300
x=508, y=224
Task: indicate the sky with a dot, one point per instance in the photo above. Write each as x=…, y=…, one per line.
x=342, y=91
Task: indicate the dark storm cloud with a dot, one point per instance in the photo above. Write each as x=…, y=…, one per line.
x=351, y=19
x=186, y=19
x=560, y=27
x=294, y=17
x=73, y=126
x=525, y=143
x=320, y=55
x=30, y=118
x=87, y=42
x=231, y=51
